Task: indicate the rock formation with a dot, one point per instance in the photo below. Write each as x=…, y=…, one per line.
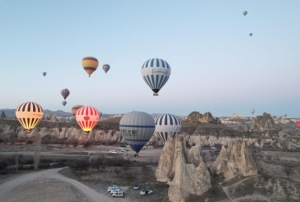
x=264, y=122
x=236, y=160
x=184, y=169
x=207, y=117
x=2, y=116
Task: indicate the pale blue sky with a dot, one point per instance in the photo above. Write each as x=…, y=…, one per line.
x=215, y=65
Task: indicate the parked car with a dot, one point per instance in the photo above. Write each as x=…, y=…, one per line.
x=113, y=151
x=150, y=147
x=123, y=152
x=136, y=187
x=145, y=147
x=110, y=189
x=113, y=186
x=114, y=191
x=146, y=192
x=122, y=148
x=118, y=194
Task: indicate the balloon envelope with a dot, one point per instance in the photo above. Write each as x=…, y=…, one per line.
x=167, y=124
x=106, y=67
x=245, y=13
x=250, y=34
x=298, y=124
x=87, y=118
x=156, y=73
x=44, y=73
x=252, y=111
x=75, y=108
x=137, y=128
x=64, y=103
x=90, y=64
x=65, y=93
x=285, y=115
x=29, y=114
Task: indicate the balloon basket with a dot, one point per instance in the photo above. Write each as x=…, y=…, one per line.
x=155, y=94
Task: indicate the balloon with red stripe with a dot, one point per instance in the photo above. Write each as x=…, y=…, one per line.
x=298, y=124
x=87, y=118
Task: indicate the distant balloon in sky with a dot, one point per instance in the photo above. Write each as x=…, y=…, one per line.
x=298, y=124
x=156, y=73
x=106, y=67
x=29, y=114
x=250, y=34
x=167, y=124
x=75, y=108
x=245, y=13
x=64, y=103
x=87, y=118
x=252, y=111
x=137, y=128
x=90, y=64
x=285, y=115
x=65, y=93
x=44, y=73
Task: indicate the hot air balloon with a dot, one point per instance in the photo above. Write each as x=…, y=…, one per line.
x=285, y=115
x=75, y=108
x=44, y=73
x=64, y=102
x=65, y=93
x=252, y=111
x=90, y=64
x=298, y=124
x=245, y=13
x=29, y=114
x=250, y=34
x=87, y=118
x=166, y=124
x=156, y=73
x=106, y=67
x=137, y=128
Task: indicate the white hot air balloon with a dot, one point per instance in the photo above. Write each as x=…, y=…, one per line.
x=137, y=128
x=166, y=124
x=106, y=67
x=156, y=73
x=252, y=111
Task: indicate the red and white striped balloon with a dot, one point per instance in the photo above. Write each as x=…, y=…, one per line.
x=298, y=124
x=87, y=118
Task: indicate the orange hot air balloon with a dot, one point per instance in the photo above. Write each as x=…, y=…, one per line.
x=29, y=114
x=90, y=64
x=87, y=118
x=75, y=108
x=298, y=124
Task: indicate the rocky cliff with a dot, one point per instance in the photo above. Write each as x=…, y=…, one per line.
x=184, y=170
x=207, y=117
x=234, y=161
x=264, y=122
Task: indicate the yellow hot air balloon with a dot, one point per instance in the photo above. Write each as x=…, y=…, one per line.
x=29, y=114
x=75, y=108
x=90, y=64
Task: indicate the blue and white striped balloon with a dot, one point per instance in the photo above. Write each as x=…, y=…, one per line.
x=137, y=128
x=156, y=73
x=166, y=124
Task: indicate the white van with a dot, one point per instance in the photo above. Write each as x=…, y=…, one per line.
x=118, y=194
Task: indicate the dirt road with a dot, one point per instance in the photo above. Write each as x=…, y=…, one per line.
x=48, y=185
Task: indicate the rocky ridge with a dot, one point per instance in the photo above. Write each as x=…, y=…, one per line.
x=234, y=161
x=183, y=169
